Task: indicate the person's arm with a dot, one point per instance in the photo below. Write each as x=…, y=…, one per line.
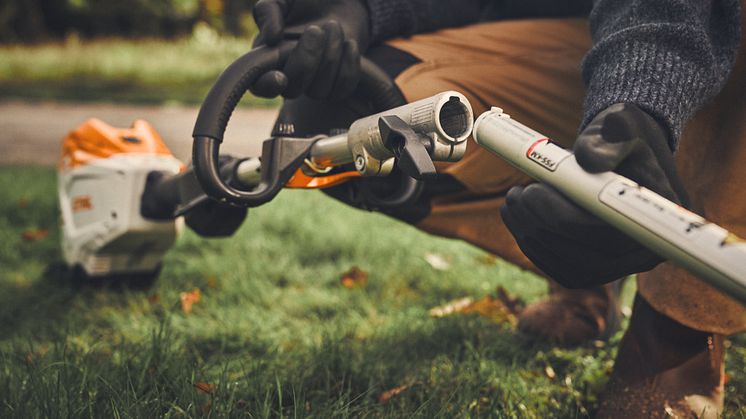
x=394, y=18
x=668, y=57
x=654, y=63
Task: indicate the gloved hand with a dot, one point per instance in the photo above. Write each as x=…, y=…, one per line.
x=325, y=65
x=569, y=244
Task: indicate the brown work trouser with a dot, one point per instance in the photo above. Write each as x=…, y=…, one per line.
x=531, y=69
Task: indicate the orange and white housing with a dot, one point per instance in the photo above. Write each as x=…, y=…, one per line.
x=102, y=175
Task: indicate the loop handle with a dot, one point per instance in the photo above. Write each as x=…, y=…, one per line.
x=222, y=100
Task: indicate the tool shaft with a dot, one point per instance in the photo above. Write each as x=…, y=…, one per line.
x=704, y=248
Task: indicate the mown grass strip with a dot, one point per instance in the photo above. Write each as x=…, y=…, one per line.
x=119, y=70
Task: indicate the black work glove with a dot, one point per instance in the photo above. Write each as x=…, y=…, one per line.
x=569, y=244
x=325, y=65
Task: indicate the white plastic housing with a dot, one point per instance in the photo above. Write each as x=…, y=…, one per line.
x=102, y=230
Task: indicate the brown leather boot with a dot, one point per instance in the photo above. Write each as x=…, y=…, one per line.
x=571, y=317
x=664, y=369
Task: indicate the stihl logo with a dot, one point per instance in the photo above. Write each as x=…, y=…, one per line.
x=82, y=203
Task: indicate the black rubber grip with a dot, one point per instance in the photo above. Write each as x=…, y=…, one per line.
x=230, y=87
x=221, y=101
x=375, y=85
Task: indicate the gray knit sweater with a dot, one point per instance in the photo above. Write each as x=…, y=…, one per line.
x=667, y=56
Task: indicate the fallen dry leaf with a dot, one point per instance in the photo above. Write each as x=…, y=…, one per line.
x=154, y=298
x=549, y=372
x=500, y=308
x=387, y=395
x=204, y=387
x=39, y=352
x=188, y=299
x=354, y=278
x=437, y=261
x=491, y=308
x=451, y=307
x=514, y=304
x=487, y=259
x=35, y=234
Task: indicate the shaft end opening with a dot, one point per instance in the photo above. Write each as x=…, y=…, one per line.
x=455, y=119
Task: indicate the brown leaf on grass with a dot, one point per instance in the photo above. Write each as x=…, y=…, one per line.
x=455, y=306
x=514, y=304
x=35, y=234
x=491, y=308
x=204, y=387
x=39, y=352
x=387, y=395
x=189, y=298
x=154, y=298
x=354, y=278
x=501, y=308
x=487, y=259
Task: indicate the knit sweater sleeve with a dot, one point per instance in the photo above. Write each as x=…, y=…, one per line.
x=667, y=56
x=393, y=18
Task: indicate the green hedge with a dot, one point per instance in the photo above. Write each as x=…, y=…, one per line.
x=37, y=20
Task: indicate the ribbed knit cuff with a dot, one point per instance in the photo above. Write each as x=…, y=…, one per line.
x=652, y=77
x=391, y=18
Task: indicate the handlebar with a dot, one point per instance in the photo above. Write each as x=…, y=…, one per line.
x=223, y=98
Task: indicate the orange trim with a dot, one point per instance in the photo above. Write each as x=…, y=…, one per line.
x=95, y=139
x=300, y=180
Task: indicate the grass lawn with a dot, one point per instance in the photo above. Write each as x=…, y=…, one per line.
x=275, y=333
x=116, y=70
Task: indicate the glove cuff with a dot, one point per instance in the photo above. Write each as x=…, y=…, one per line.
x=390, y=19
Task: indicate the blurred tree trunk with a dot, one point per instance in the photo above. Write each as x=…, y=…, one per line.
x=22, y=20
x=232, y=12
x=57, y=17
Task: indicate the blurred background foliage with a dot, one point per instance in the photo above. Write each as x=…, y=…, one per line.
x=135, y=51
x=45, y=20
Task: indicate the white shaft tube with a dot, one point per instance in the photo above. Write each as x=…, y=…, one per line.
x=715, y=255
